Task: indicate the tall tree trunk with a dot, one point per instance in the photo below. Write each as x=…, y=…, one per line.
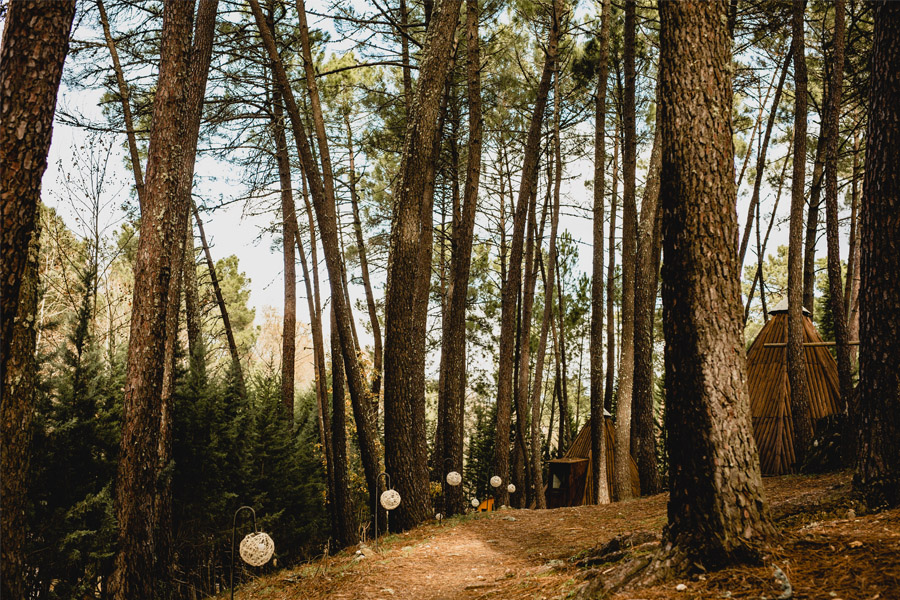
x=289, y=237
x=629, y=237
x=565, y=409
x=343, y=527
x=796, y=363
x=878, y=411
x=761, y=159
x=223, y=309
x=832, y=131
x=35, y=43
x=598, y=439
x=514, y=272
x=812, y=224
x=611, y=283
x=163, y=225
x=378, y=358
x=454, y=380
x=322, y=191
x=853, y=262
x=646, y=278
x=713, y=457
x=125, y=99
x=404, y=398
x=196, y=350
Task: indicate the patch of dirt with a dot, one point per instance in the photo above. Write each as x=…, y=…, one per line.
x=826, y=551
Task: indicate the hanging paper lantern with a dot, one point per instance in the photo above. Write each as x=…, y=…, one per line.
x=511, y=489
x=390, y=499
x=475, y=503
x=496, y=481
x=256, y=549
x=454, y=478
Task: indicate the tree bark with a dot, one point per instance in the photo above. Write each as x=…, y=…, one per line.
x=514, y=271
x=832, y=131
x=812, y=225
x=645, y=283
x=598, y=439
x=852, y=294
x=611, y=282
x=35, y=44
x=136, y=574
x=404, y=398
x=629, y=237
x=454, y=381
x=713, y=458
x=796, y=360
x=289, y=237
x=878, y=412
x=344, y=528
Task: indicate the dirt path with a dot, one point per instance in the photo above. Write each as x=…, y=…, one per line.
x=517, y=554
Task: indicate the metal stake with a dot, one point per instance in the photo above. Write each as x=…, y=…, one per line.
x=233, y=534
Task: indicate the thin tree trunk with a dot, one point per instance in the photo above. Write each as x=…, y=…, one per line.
x=600, y=492
x=563, y=368
x=611, y=283
x=514, y=272
x=629, y=238
x=34, y=47
x=832, y=130
x=163, y=223
x=812, y=225
x=344, y=527
x=796, y=367
x=289, y=240
x=196, y=350
x=756, y=125
x=761, y=159
x=878, y=409
x=853, y=267
x=713, y=458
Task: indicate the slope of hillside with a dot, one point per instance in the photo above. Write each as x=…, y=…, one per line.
x=827, y=550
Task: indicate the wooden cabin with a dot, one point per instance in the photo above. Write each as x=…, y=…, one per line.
x=767, y=380
x=569, y=482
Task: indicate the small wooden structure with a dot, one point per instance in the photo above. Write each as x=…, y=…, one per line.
x=486, y=505
x=569, y=482
x=767, y=379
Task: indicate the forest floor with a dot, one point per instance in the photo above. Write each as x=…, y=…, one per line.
x=828, y=549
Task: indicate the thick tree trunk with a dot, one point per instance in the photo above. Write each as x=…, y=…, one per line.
x=796, y=363
x=878, y=412
x=629, y=238
x=514, y=272
x=343, y=526
x=761, y=159
x=713, y=458
x=404, y=398
x=35, y=43
x=832, y=131
x=812, y=225
x=454, y=380
x=611, y=283
x=163, y=224
x=643, y=430
x=598, y=439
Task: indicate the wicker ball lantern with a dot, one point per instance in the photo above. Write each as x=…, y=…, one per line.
x=511, y=488
x=496, y=481
x=256, y=549
x=475, y=502
x=454, y=478
x=390, y=499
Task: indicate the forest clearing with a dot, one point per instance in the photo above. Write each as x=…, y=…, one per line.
x=826, y=550
x=291, y=279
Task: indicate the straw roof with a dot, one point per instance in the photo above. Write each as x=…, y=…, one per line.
x=770, y=391
x=581, y=448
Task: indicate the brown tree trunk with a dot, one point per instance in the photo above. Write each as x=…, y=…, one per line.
x=646, y=278
x=611, y=283
x=629, y=238
x=163, y=225
x=832, y=130
x=404, y=398
x=852, y=295
x=454, y=380
x=812, y=225
x=378, y=358
x=761, y=159
x=35, y=43
x=598, y=439
x=514, y=272
x=796, y=363
x=565, y=409
x=713, y=457
x=878, y=411
x=343, y=526
x=196, y=350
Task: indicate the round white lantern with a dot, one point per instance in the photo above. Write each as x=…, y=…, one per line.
x=390, y=499
x=438, y=516
x=475, y=503
x=454, y=478
x=511, y=489
x=496, y=481
x=256, y=549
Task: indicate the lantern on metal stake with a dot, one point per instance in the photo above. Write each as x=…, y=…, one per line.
x=390, y=499
x=256, y=548
x=495, y=483
x=511, y=488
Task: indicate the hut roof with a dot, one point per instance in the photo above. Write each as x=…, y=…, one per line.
x=782, y=307
x=770, y=403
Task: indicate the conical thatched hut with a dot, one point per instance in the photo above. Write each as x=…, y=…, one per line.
x=770, y=402
x=570, y=480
